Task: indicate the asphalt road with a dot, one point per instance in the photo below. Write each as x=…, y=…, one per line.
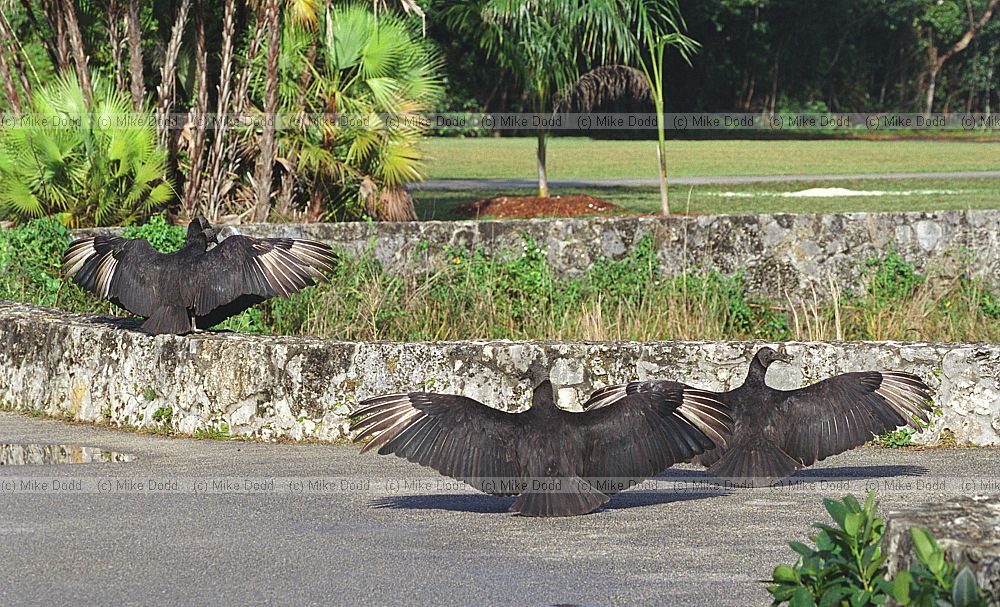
x=380, y=542
x=511, y=184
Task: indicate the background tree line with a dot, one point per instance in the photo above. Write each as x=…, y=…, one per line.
x=774, y=55
x=297, y=58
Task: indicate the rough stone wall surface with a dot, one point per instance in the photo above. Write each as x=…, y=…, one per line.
x=781, y=255
x=100, y=369
x=966, y=528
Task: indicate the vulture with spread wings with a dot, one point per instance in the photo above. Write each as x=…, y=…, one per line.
x=559, y=463
x=195, y=287
x=780, y=431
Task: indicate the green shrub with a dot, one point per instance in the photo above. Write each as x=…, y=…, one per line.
x=846, y=567
x=30, y=266
x=86, y=164
x=164, y=237
x=890, y=278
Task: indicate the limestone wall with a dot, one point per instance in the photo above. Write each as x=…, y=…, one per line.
x=781, y=254
x=99, y=369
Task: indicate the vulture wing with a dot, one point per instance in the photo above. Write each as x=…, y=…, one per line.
x=845, y=411
x=242, y=271
x=125, y=271
x=639, y=429
x=458, y=436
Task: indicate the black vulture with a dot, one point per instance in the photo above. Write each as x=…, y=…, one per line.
x=559, y=463
x=778, y=431
x=195, y=287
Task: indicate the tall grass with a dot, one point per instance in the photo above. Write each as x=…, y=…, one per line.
x=471, y=295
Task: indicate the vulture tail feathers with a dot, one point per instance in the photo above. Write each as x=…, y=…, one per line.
x=579, y=498
x=761, y=462
x=168, y=319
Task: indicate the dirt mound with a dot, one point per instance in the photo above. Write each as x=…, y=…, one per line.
x=535, y=206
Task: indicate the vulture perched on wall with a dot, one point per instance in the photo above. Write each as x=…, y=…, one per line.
x=559, y=463
x=780, y=431
x=195, y=287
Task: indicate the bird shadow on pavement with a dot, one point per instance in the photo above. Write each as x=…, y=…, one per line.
x=456, y=502
x=492, y=504
x=848, y=473
x=702, y=478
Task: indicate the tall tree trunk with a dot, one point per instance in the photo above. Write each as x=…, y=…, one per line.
x=192, y=187
x=253, y=47
x=7, y=42
x=53, y=14
x=265, y=165
x=168, y=78
x=76, y=46
x=36, y=26
x=931, y=82
x=217, y=172
x=543, y=174
x=8, y=80
x=115, y=36
x=138, y=82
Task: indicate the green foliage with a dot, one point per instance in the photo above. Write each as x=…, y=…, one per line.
x=932, y=581
x=85, y=163
x=30, y=266
x=895, y=439
x=381, y=75
x=220, y=433
x=890, y=278
x=164, y=237
x=846, y=567
x=31, y=262
x=743, y=314
x=163, y=415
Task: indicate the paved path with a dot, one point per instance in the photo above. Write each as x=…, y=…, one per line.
x=384, y=544
x=514, y=184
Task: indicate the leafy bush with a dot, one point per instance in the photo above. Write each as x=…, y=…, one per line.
x=85, y=163
x=30, y=267
x=846, y=567
x=164, y=237
x=890, y=278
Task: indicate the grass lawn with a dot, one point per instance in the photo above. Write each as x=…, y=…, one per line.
x=899, y=195
x=577, y=158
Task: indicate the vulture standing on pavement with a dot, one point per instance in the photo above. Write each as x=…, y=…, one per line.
x=779, y=431
x=559, y=463
x=195, y=287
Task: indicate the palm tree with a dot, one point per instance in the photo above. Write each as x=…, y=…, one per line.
x=68, y=10
x=168, y=73
x=99, y=169
x=199, y=110
x=265, y=163
x=543, y=43
x=8, y=79
x=659, y=26
x=133, y=29
x=385, y=72
x=379, y=74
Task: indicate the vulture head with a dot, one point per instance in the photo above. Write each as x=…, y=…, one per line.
x=199, y=226
x=766, y=356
